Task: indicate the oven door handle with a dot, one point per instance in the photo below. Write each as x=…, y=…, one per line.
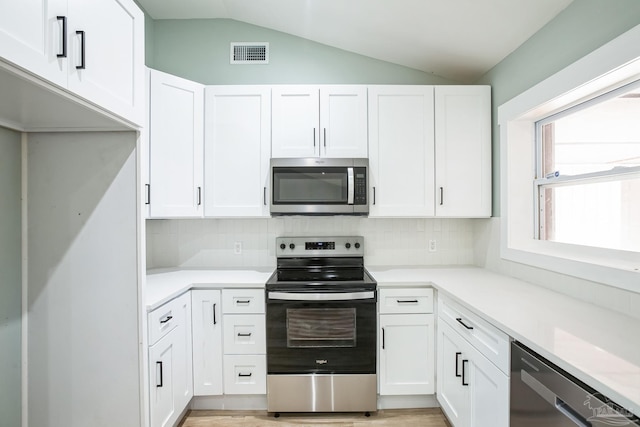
x=326, y=296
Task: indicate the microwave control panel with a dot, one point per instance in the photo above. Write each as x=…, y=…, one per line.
x=360, y=186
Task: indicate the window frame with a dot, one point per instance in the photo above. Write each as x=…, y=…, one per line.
x=609, y=68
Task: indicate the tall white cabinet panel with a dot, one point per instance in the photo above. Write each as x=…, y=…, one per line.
x=401, y=151
x=32, y=37
x=161, y=387
x=207, y=342
x=107, y=59
x=343, y=121
x=176, y=146
x=295, y=127
x=183, y=386
x=237, y=150
x=463, y=151
x=406, y=354
x=325, y=121
x=452, y=395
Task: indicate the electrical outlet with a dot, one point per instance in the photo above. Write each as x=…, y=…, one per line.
x=237, y=248
x=432, y=245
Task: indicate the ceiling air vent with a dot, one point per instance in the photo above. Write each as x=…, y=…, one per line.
x=250, y=53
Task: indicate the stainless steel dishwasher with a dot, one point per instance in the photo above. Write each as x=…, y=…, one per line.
x=544, y=395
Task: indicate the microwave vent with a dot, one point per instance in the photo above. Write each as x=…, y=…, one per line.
x=250, y=53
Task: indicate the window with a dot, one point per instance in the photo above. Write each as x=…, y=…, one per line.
x=583, y=123
x=588, y=172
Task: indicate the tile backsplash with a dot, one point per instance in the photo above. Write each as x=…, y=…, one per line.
x=210, y=243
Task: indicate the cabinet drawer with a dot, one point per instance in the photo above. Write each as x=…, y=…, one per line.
x=245, y=374
x=244, y=334
x=406, y=300
x=243, y=301
x=486, y=338
x=166, y=317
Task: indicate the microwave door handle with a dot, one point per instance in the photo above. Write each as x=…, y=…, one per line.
x=350, y=186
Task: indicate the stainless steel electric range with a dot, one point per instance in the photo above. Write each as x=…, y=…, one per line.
x=321, y=327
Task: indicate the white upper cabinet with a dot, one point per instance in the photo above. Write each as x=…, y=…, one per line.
x=401, y=151
x=176, y=138
x=94, y=49
x=237, y=150
x=33, y=37
x=312, y=121
x=463, y=151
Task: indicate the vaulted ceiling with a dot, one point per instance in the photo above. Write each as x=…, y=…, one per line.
x=457, y=39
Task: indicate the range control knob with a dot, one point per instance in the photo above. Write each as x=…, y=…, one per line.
x=357, y=245
x=282, y=246
x=292, y=246
x=347, y=245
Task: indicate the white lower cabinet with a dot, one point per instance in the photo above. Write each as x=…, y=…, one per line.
x=170, y=362
x=245, y=360
x=472, y=391
x=207, y=342
x=406, y=342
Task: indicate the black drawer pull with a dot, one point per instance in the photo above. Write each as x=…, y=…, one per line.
x=244, y=375
x=383, y=338
x=214, y=314
x=166, y=319
x=243, y=301
x=459, y=319
x=240, y=334
x=463, y=375
x=407, y=301
x=457, y=358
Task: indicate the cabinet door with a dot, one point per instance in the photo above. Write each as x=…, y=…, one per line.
x=161, y=387
x=106, y=64
x=463, y=151
x=237, y=150
x=453, y=396
x=207, y=342
x=183, y=361
x=295, y=121
x=32, y=37
x=489, y=393
x=401, y=151
x=343, y=121
x=406, y=354
x=176, y=146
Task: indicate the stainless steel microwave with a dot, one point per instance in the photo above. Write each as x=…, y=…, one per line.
x=319, y=186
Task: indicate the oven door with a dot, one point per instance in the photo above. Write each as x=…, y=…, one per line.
x=321, y=332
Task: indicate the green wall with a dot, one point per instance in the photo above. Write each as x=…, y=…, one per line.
x=10, y=278
x=198, y=49
x=581, y=28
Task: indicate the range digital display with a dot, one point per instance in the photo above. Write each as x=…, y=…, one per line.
x=314, y=246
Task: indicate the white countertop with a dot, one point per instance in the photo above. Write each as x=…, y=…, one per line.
x=598, y=346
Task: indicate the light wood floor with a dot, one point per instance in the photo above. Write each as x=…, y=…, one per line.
x=431, y=417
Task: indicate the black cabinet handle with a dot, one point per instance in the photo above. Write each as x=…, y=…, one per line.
x=264, y=196
x=463, y=375
x=325, y=137
x=457, y=359
x=240, y=334
x=407, y=301
x=459, y=319
x=374, y=195
x=441, y=196
x=82, y=50
x=383, y=338
x=159, y=365
x=199, y=196
x=246, y=301
x=64, y=36
x=240, y=374
x=166, y=319
x=214, y=314
x=148, y=188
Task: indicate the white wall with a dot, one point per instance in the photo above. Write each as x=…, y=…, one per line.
x=10, y=278
x=209, y=242
x=83, y=359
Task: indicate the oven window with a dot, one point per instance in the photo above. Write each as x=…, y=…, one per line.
x=310, y=185
x=321, y=327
